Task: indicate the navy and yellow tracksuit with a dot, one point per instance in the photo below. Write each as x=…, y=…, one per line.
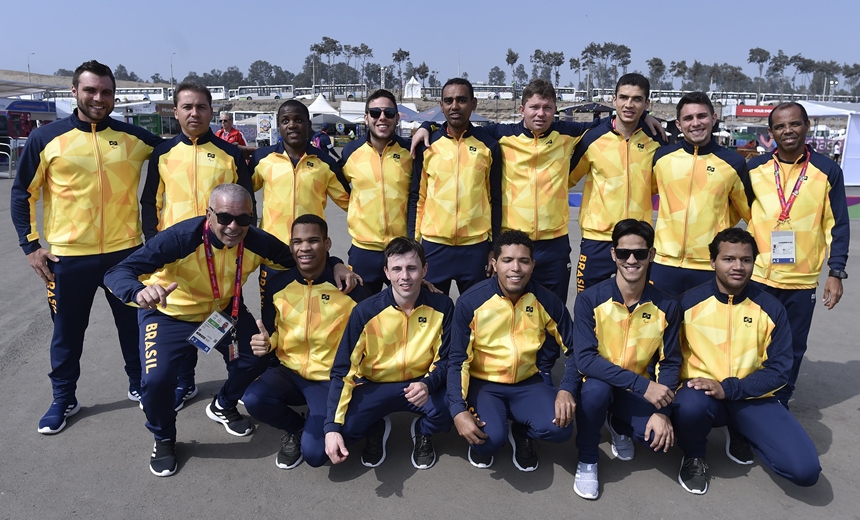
x=614, y=345
x=87, y=175
x=182, y=174
x=744, y=343
x=377, y=203
x=381, y=352
x=177, y=254
x=819, y=220
x=292, y=189
x=703, y=190
x=499, y=361
x=455, y=205
x=617, y=175
x=305, y=320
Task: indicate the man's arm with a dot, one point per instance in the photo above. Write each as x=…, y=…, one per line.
x=417, y=192
x=342, y=376
x=338, y=188
x=26, y=189
x=459, y=358
x=838, y=234
x=149, y=206
x=437, y=375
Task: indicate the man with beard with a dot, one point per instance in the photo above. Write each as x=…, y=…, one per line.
x=87, y=168
x=380, y=171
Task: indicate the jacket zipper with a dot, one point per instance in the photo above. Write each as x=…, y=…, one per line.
x=687, y=209
x=103, y=206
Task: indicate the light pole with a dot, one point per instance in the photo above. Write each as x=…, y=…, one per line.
x=28, y=66
x=171, y=69
x=383, y=70
x=833, y=83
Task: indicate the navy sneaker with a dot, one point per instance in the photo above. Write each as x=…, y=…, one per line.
x=183, y=394
x=162, y=462
x=54, y=419
x=133, y=393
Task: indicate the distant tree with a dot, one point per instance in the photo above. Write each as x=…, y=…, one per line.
x=422, y=71
x=281, y=76
x=433, y=79
x=399, y=58
x=521, y=76
x=260, y=72
x=232, y=77
x=576, y=66
x=778, y=64
x=759, y=57
x=156, y=78
x=851, y=73
x=465, y=75
x=511, y=59
x=554, y=60
x=64, y=72
x=698, y=75
x=678, y=70
x=120, y=72
x=496, y=76
x=656, y=72
x=825, y=71
x=362, y=54
x=192, y=76
x=328, y=47
x=540, y=68
x=620, y=56
x=734, y=79
x=409, y=70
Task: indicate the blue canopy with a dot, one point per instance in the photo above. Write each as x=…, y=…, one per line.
x=407, y=114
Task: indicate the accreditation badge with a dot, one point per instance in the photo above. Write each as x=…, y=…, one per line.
x=211, y=331
x=783, y=247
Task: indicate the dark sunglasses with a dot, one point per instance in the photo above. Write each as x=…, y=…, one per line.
x=225, y=120
x=638, y=254
x=390, y=113
x=225, y=219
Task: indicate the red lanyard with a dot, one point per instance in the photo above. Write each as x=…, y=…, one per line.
x=213, y=280
x=786, y=205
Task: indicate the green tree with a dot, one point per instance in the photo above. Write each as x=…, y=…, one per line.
x=759, y=57
x=496, y=76
x=281, y=76
x=678, y=69
x=521, y=76
x=260, y=72
x=328, y=47
x=778, y=63
x=156, y=78
x=64, y=72
x=656, y=72
x=399, y=58
x=511, y=58
x=576, y=66
x=422, y=71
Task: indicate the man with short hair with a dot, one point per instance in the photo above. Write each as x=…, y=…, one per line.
x=322, y=141
x=392, y=358
x=182, y=174
x=306, y=314
x=616, y=159
x=183, y=308
x=799, y=214
x=87, y=168
x=621, y=325
x=497, y=349
x=736, y=344
x=227, y=132
x=379, y=169
x=703, y=188
x=455, y=200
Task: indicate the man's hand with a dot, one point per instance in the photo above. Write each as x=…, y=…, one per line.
x=154, y=295
x=490, y=268
x=346, y=279
x=38, y=260
x=417, y=394
x=711, y=387
x=420, y=135
x=335, y=448
x=659, y=395
x=430, y=287
x=469, y=427
x=565, y=407
x=656, y=128
x=663, y=435
x=260, y=343
x=832, y=292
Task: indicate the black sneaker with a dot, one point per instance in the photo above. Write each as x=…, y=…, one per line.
x=478, y=460
x=374, y=451
x=423, y=452
x=290, y=454
x=162, y=463
x=233, y=421
x=737, y=449
x=183, y=394
x=525, y=458
x=694, y=475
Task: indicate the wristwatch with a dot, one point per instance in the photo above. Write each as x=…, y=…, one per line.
x=838, y=273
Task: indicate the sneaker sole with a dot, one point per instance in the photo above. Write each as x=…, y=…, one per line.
x=284, y=466
x=187, y=397
x=385, y=435
x=131, y=397
x=514, y=456
x=226, y=424
x=479, y=465
x=165, y=473
x=415, y=464
x=583, y=495
x=48, y=431
x=729, y=453
x=695, y=492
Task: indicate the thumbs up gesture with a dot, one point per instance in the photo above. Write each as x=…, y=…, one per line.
x=260, y=343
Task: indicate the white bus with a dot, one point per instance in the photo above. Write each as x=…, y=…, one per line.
x=265, y=92
x=218, y=93
x=126, y=94
x=734, y=98
x=483, y=91
x=667, y=96
x=772, y=98
x=571, y=94
x=602, y=95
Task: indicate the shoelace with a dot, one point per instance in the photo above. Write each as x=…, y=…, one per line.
x=290, y=442
x=422, y=444
x=697, y=466
x=524, y=446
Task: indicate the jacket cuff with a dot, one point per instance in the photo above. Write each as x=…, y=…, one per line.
x=332, y=427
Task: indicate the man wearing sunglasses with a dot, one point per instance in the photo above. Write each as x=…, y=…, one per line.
x=190, y=279
x=620, y=325
x=182, y=174
x=228, y=132
x=379, y=169
x=455, y=199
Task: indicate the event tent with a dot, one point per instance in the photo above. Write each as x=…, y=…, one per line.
x=412, y=89
x=851, y=149
x=321, y=106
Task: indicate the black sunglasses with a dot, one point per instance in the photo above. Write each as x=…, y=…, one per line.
x=225, y=219
x=638, y=254
x=390, y=113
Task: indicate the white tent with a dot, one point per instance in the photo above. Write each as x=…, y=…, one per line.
x=321, y=106
x=352, y=111
x=412, y=90
x=851, y=149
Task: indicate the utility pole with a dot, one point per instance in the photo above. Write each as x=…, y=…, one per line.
x=28, y=66
x=171, y=70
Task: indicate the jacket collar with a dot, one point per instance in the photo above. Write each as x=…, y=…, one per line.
x=203, y=139
x=724, y=298
x=709, y=147
x=88, y=127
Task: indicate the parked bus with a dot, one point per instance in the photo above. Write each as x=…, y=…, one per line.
x=733, y=98
x=772, y=98
x=571, y=94
x=218, y=93
x=233, y=93
x=602, y=94
x=266, y=92
x=483, y=91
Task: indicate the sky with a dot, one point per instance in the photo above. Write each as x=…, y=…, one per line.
x=449, y=36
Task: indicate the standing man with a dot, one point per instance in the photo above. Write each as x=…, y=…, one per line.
x=227, y=132
x=87, y=168
x=499, y=361
x=620, y=325
x=306, y=314
x=181, y=176
x=182, y=308
x=616, y=159
x=379, y=169
x=392, y=359
x=322, y=141
x=703, y=188
x=455, y=201
x=799, y=213
x=736, y=344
